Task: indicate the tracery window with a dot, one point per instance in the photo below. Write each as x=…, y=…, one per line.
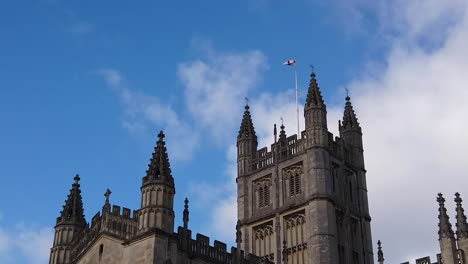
x=264, y=241
x=262, y=189
x=295, y=238
x=293, y=177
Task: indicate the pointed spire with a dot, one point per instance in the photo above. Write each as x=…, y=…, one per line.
x=462, y=226
x=247, y=129
x=350, y=120
x=314, y=96
x=73, y=212
x=159, y=167
x=380, y=257
x=186, y=213
x=445, y=228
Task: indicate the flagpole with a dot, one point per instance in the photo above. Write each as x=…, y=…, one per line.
x=297, y=99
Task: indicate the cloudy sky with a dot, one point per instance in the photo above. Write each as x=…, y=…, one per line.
x=85, y=88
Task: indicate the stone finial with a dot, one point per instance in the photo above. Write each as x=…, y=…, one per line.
x=275, y=133
x=445, y=228
x=238, y=233
x=186, y=213
x=107, y=195
x=282, y=135
x=462, y=226
x=77, y=178
x=380, y=256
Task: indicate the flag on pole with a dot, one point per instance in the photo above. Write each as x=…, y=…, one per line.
x=290, y=62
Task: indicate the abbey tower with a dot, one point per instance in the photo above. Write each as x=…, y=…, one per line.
x=302, y=202
x=305, y=200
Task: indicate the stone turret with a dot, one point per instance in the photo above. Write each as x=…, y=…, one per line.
x=157, y=192
x=380, y=257
x=69, y=224
x=462, y=229
x=315, y=113
x=246, y=143
x=351, y=133
x=447, y=244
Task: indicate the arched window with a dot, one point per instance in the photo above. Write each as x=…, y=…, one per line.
x=293, y=176
x=101, y=250
x=262, y=189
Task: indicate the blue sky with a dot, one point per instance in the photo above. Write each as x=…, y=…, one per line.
x=86, y=86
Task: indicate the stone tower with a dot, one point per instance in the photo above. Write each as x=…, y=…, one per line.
x=305, y=200
x=68, y=226
x=462, y=230
x=157, y=192
x=447, y=244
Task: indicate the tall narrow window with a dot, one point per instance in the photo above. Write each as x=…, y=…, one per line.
x=296, y=238
x=292, y=175
x=264, y=241
x=101, y=250
x=262, y=191
x=294, y=185
x=263, y=196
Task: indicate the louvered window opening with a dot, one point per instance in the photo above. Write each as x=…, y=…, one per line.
x=294, y=185
x=263, y=196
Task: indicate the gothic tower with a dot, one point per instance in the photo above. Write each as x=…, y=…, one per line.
x=246, y=143
x=157, y=192
x=68, y=226
x=305, y=200
x=462, y=229
x=447, y=244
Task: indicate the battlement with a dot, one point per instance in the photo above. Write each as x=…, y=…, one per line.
x=426, y=260
x=281, y=150
x=121, y=224
x=200, y=248
x=292, y=146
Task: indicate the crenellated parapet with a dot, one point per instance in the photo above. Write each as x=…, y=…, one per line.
x=118, y=223
x=200, y=248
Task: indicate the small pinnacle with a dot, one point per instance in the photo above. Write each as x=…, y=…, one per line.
x=186, y=203
x=458, y=200
x=107, y=194
x=379, y=243
x=161, y=135
x=77, y=178
x=440, y=199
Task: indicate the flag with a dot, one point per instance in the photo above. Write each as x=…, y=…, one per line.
x=290, y=62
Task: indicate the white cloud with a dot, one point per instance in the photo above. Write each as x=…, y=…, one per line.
x=143, y=112
x=412, y=111
x=413, y=117
x=5, y=244
x=34, y=244
x=216, y=86
x=26, y=243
